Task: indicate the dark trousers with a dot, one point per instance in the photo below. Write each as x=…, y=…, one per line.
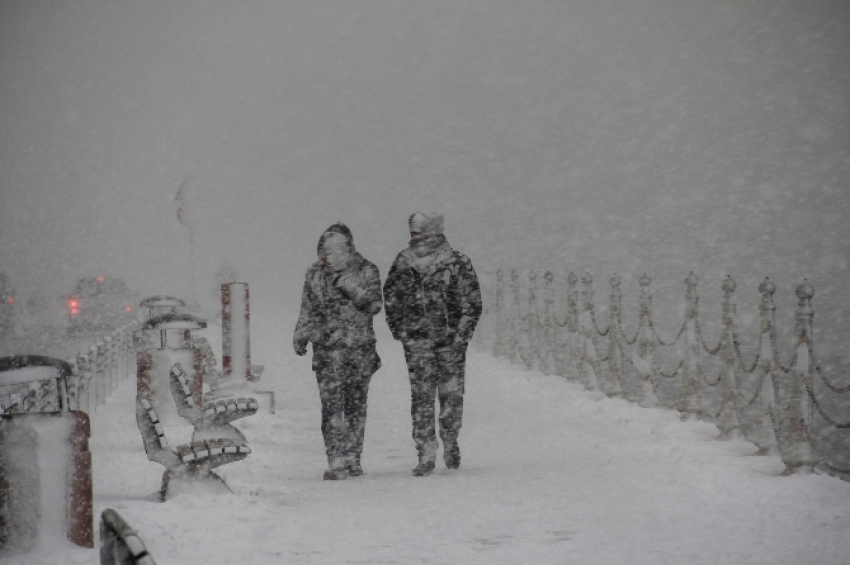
x=343, y=412
x=435, y=372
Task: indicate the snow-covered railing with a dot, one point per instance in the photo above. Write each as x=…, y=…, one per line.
x=769, y=403
x=99, y=370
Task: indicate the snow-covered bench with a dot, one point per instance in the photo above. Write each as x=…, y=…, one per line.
x=189, y=463
x=214, y=419
x=119, y=543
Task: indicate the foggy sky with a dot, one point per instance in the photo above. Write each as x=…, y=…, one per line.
x=623, y=136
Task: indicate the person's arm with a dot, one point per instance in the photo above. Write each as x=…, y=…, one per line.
x=304, y=328
x=393, y=305
x=367, y=295
x=469, y=295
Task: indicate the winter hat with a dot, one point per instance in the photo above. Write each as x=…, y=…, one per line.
x=337, y=228
x=427, y=222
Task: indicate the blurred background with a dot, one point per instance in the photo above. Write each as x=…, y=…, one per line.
x=602, y=136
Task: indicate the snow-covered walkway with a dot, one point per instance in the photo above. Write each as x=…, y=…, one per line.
x=551, y=473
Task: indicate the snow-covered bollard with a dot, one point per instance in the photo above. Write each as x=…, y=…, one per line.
x=45, y=466
x=238, y=375
x=166, y=341
x=236, y=333
x=119, y=543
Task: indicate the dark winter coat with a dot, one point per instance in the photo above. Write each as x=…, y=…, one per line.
x=336, y=316
x=442, y=304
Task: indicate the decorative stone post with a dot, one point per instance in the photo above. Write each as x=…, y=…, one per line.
x=499, y=318
x=727, y=420
x=688, y=402
x=644, y=359
x=550, y=325
x=615, y=362
x=536, y=333
x=587, y=358
x=514, y=319
x=572, y=371
x=796, y=449
x=766, y=439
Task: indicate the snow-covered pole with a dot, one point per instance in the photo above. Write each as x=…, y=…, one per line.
x=615, y=376
x=499, y=317
x=535, y=327
x=768, y=436
x=587, y=356
x=688, y=402
x=109, y=342
x=513, y=319
x=572, y=327
x=796, y=449
x=82, y=383
x=94, y=383
x=727, y=420
x=644, y=360
x=236, y=330
x=550, y=331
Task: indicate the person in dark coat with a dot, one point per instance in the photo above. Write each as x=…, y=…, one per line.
x=433, y=303
x=342, y=293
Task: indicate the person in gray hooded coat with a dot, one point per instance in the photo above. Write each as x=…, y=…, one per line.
x=433, y=303
x=342, y=293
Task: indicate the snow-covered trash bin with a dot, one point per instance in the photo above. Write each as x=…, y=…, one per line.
x=45, y=465
x=165, y=341
x=119, y=543
x=156, y=306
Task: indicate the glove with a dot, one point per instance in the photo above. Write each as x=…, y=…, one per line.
x=300, y=348
x=349, y=287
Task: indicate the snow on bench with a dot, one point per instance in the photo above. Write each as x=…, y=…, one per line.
x=119, y=543
x=189, y=465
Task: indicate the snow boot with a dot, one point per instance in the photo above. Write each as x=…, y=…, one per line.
x=337, y=471
x=353, y=467
x=451, y=454
x=427, y=457
x=335, y=475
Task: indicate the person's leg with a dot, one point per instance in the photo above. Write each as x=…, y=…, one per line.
x=450, y=387
x=423, y=389
x=333, y=424
x=356, y=395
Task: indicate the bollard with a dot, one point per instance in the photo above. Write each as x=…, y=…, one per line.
x=236, y=331
x=587, y=333
x=688, y=402
x=498, y=346
x=615, y=361
x=727, y=420
x=644, y=356
x=796, y=449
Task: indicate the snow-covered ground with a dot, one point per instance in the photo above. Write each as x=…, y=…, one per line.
x=551, y=473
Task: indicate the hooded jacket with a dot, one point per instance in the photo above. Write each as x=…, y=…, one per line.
x=439, y=302
x=336, y=315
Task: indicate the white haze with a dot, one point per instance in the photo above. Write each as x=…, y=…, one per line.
x=629, y=136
